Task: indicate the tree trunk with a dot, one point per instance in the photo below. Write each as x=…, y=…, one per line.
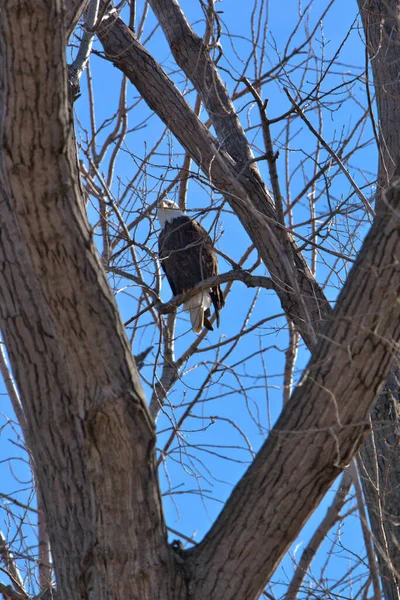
x=319, y=430
x=88, y=424
x=380, y=456
x=89, y=428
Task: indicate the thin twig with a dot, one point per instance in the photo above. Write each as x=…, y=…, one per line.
x=329, y=149
x=373, y=567
x=331, y=517
x=8, y=560
x=251, y=281
x=78, y=66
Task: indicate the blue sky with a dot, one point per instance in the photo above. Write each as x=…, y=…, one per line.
x=195, y=472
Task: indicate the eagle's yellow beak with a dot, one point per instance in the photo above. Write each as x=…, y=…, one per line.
x=163, y=204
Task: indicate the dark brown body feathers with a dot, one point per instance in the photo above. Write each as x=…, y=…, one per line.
x=188, y=257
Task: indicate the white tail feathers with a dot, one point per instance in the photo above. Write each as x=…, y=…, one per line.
x=196, y=306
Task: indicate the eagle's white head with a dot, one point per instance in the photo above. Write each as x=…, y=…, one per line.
x=167, y=211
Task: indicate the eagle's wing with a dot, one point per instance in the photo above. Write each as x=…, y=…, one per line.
x=199, y=254
x=188, y=257
x=203, y=258
x=166, y=258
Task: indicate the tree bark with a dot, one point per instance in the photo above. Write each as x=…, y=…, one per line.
x=380, y=456
x=381, y=30
x=73, y=12
x=319, y=430
x=89, y=428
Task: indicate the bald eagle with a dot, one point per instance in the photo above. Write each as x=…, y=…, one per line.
x=187, y=256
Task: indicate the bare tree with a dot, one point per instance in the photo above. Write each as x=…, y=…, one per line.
x=69, y=214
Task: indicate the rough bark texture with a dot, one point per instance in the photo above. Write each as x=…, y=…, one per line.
x=73, y=12
x=90, y=431
x=380, y=456
x=379, y=467
x=381, y=30
x=319, y=430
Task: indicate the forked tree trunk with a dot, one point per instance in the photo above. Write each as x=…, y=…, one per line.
x=88, y=423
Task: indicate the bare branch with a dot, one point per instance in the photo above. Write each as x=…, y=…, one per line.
x=317, y=426
x=331, y=518
x=241, y=186
x=366, y=533
x=77, y=68
x=251, y=281
x=74, y=10
x=8, y=560
x=329, y=149
x=10, y=594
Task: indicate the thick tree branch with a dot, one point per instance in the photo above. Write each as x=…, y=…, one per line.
x=192, y=55
x=319, y=430
x=76, y=69
x=73, y=12
x=379, y=464
x=89, y=428
x=381, y=29
x=299, y=293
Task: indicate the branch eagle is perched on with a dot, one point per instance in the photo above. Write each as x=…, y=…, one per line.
x=187, y=256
